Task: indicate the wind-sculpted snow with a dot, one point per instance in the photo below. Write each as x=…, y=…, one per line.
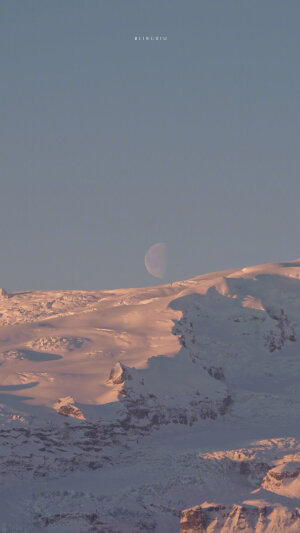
x=30, y=306
x=133, y=409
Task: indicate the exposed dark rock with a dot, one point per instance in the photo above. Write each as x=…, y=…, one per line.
x=276, y=338
x=215, y=372
x=119, y=374
x=203, y=518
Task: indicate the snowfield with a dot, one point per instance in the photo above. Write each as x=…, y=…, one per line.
x=163, y=409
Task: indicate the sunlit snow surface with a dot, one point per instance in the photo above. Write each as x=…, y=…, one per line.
x=120, y=409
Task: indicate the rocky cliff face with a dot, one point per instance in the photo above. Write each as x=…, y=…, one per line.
x=284, y=478
x=214, y=518
x=153, y=397
x=270, y=468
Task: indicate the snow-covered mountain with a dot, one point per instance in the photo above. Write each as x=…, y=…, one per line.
x=164, y=409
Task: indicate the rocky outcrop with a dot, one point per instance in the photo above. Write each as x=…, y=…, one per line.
x=91, y=522
x=65, y=406
x=283, y=331
x=147, y=412
x=193, y=520
x=119, y=374
x=284, y=479
x=154, y=396
x=232, y=518
x=215, y=372
x=58, y=343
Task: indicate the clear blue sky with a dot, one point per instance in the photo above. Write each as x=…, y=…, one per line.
x=109, y=145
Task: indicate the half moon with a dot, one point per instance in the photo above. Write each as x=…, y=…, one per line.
x=156, y=260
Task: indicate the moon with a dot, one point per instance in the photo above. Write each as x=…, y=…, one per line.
x=156, y=260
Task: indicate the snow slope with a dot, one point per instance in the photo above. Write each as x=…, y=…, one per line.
x=157, y=409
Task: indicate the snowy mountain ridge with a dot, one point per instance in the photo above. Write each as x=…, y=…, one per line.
x=126, y=407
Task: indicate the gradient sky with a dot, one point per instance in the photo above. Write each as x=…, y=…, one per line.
x=109, y=145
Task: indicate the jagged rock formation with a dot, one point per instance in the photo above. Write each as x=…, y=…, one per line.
x=276, y=338
x=284, y=478
x=65, y=406
x=214, y=518
x=146, y=405
x=118, y=374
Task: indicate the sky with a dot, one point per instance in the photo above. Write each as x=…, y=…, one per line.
x=111, y=144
